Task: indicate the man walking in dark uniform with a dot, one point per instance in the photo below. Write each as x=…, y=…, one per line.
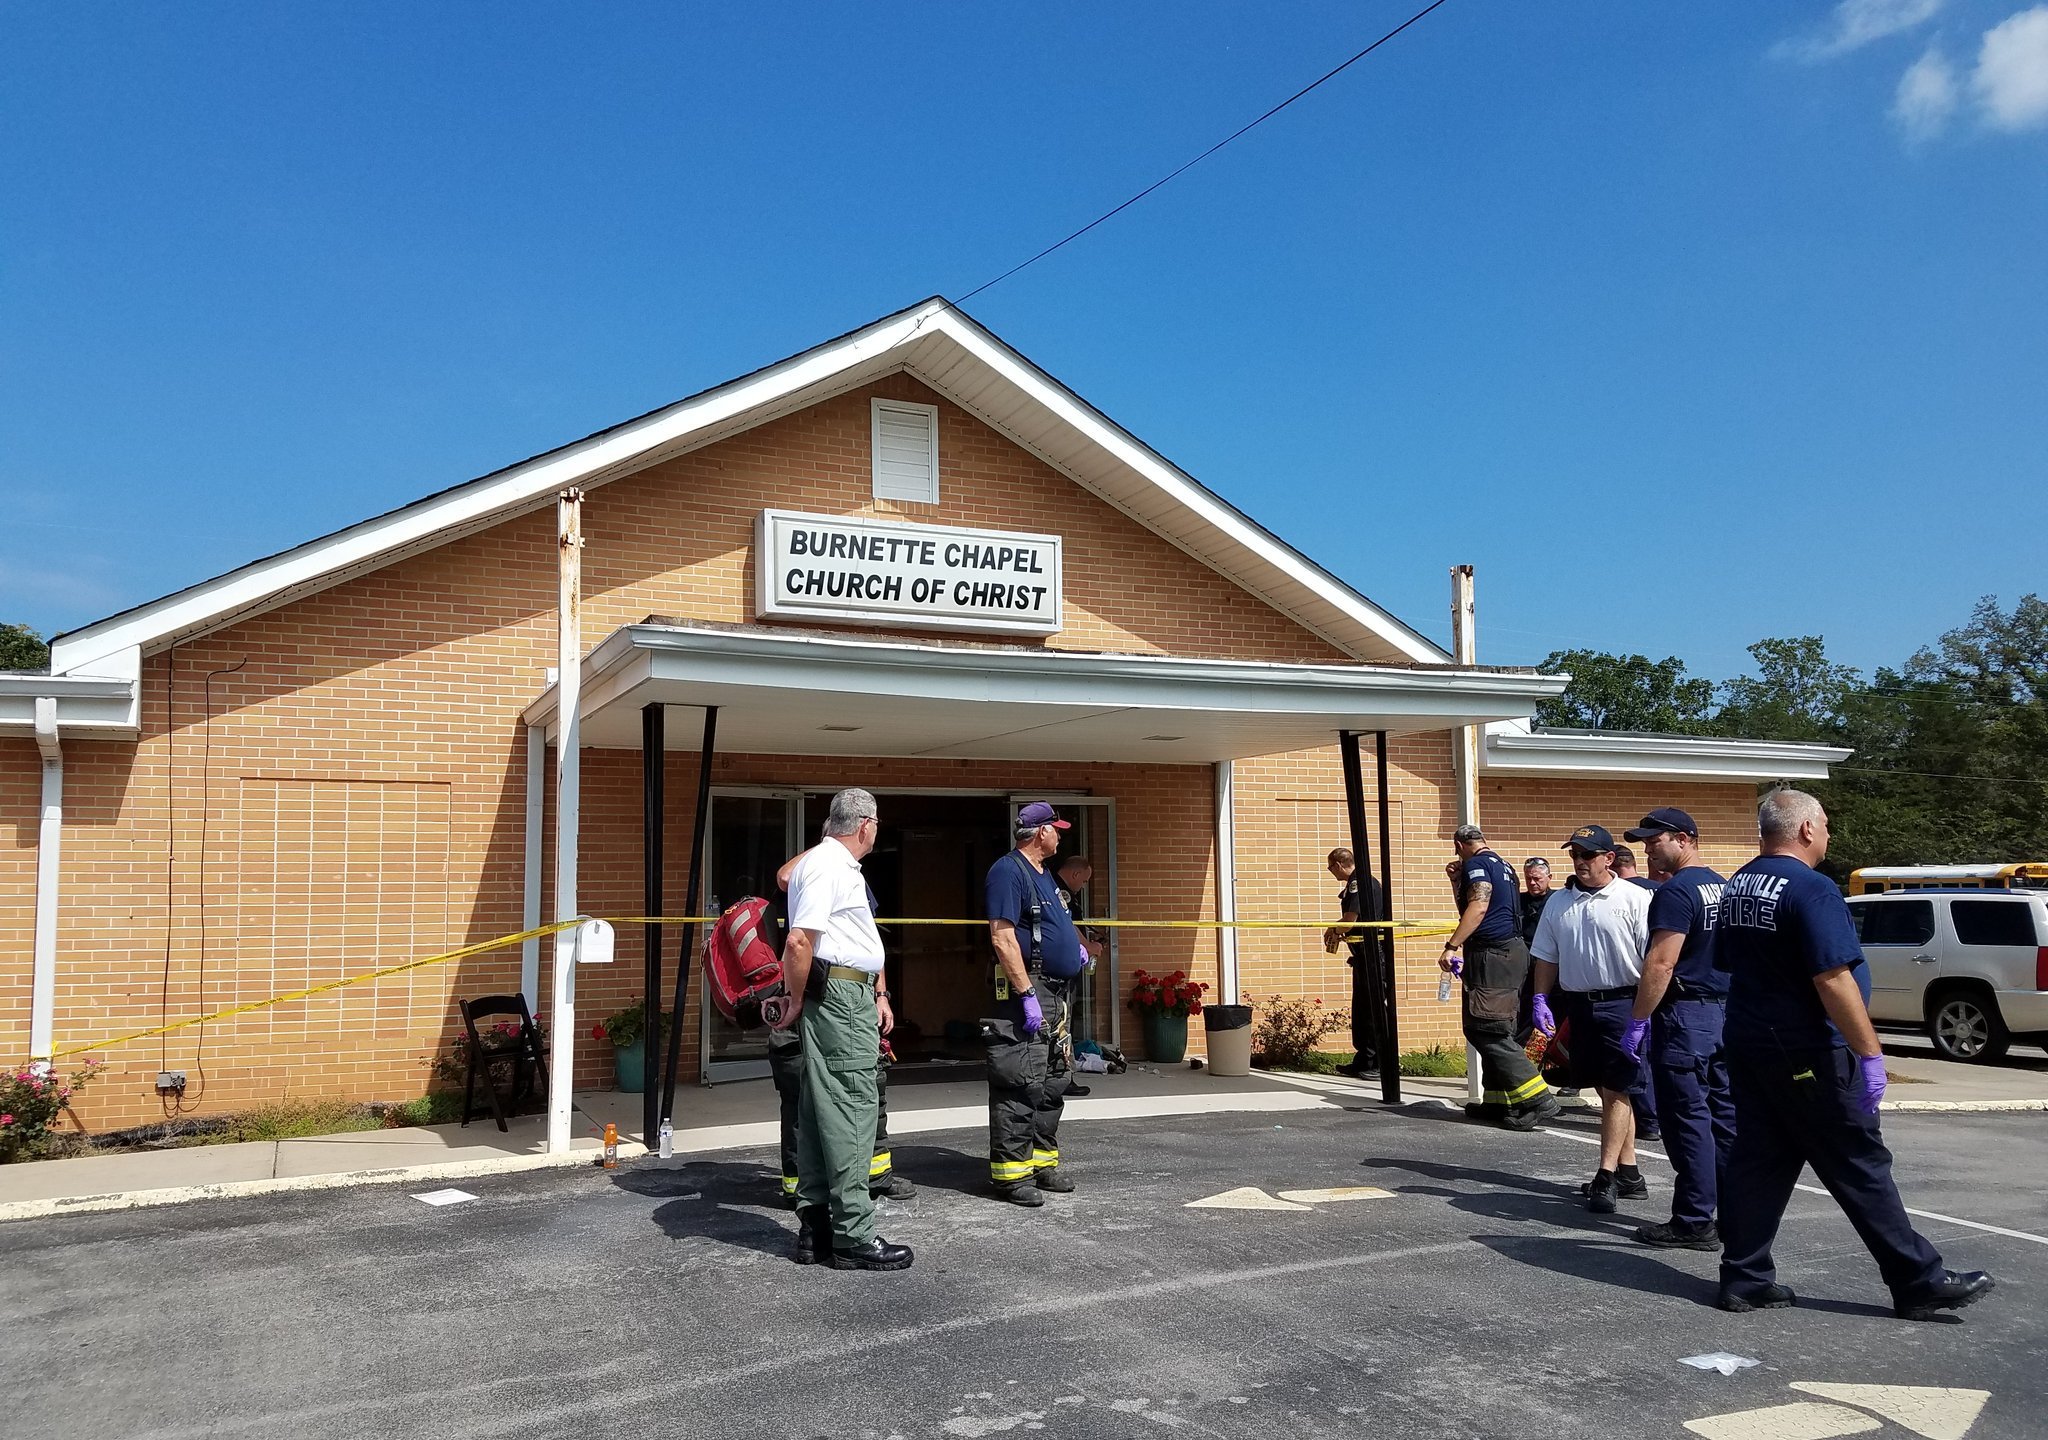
x=1364, y=951
x=1808, y=1075
x=1030, y=1054
x=1681, y=1002
x=1487, y=948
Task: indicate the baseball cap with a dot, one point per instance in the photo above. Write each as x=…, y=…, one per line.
x=1664, y=818
x=1039, y=813
x=1589, y=837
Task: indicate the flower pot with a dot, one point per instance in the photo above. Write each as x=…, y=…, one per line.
x=629, y=1062
x=1166, y=1036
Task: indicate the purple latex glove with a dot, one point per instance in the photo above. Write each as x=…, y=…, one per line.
x=1873, y=1082
x=1632, y=1038
x=1539, y=1011
x=1034, y=1015
x=1453, y=963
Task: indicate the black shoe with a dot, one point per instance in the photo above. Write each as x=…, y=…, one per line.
x=1527, y=1117
x=893, y=1187
x=877, y=1254
x=1951, y=1292
x=1626, y=1189
x=1485, y=1112
x=1601, y=1192
x=1673, y=1236
x=1648, y=1132
x=813, y=1237
x=1025, y=1195
x=1051, y=1179
x=1359, y=1069
x=1756, y=1297
x=1073, y=1089
x=1565, y=1092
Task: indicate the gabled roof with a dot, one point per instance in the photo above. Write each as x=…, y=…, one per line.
x=934, y=341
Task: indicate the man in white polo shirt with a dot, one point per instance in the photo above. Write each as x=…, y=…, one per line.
x=1591, y=942
x=832, y=970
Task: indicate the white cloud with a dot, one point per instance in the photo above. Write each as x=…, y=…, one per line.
x=1854, y=24
x=1926, y=96
x=2011, y=81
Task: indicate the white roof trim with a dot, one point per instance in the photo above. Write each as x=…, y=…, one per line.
x=887, y=345
x=1515, y=747
x=89, y=707
x=1025, y=702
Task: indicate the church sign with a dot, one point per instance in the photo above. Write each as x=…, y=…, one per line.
x=893, y=572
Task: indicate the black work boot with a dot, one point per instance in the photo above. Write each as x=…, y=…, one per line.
x=1051, y=1179
x=1527, y=1117
x=1486, y=1112
x=1025, y=1195
x=877, y=1254
x=893, y=1187
x=1673, y=1236
x=1948, y=1291
x=1740, y=1300
x=813, y=1236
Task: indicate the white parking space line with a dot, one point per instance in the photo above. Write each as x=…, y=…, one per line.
x=1641, y=1153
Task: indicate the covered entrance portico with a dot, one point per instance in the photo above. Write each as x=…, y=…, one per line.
x=868, y=707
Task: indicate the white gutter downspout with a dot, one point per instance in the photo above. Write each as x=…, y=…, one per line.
x=1226, y=884
x=536, y=816
x=568, y=816
x=49, y=853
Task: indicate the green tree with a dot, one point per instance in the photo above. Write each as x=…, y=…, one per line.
x=1626, y=692
x=1796, y=694
x=22, y=649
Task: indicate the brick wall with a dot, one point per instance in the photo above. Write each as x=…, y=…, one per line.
x=301, y=771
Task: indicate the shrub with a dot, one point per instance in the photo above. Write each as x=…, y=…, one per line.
x=31, y=1098
x=1437, y=1061
x=449, y=1068
x=1286, y=1031
x=1173, y=994
x=626, y=1028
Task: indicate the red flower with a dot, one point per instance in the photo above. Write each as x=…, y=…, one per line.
x=597, y=1032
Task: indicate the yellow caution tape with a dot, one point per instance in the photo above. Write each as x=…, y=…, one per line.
x=1403, y=929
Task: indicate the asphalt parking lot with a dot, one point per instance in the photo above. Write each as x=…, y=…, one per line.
x=1477, y=1298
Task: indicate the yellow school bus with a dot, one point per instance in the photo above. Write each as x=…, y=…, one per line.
x=1876, y=879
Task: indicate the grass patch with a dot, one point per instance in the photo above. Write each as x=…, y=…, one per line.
x=1438, y=1062
x=293, y=1120
x=443, y=1107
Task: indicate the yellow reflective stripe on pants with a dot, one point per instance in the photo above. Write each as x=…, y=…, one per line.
x=1528, y=1090
x=880, y=1165
x=1044, y=1159
x=1009, y=1172
x=789, y=1184
x=1494, y=1097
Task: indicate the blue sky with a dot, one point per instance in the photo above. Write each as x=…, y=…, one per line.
x=1686, y=326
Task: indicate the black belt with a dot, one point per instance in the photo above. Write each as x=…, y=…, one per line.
x=1619, y=992
x=1689, y=998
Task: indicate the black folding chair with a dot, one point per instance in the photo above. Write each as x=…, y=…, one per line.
x=488, y=1049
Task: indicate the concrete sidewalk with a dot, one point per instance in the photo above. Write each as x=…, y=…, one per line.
x=743, y=1115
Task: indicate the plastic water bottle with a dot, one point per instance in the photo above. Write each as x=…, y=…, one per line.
x=668, y=1140
x=1443, y=987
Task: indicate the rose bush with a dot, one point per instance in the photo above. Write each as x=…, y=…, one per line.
x=31, y=1099
x=1286, y=1031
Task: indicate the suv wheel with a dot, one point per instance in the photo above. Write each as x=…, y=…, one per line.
x=1965, y=1025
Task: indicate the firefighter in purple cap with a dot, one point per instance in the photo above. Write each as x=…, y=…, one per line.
x=1030, y=1054
x=1681, y=1005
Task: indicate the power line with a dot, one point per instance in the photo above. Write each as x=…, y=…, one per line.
x=1936, y=775
x=1110, y=214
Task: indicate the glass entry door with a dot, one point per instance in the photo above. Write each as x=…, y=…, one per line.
x=1096, y=1017
x=752, y=831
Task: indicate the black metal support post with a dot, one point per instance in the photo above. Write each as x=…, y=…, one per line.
x=1390, y=1053
x=699, y=822
x=1361, y=854
x=653, y=758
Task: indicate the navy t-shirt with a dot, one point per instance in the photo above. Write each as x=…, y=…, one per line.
x=1503, y=918
x=1688, y=902
x=1780, y=924
x=1009, y=899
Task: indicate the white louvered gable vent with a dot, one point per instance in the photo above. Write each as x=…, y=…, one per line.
x=906, y=451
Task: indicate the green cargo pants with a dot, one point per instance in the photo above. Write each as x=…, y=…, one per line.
x=786, y=1064
x=836, y=1115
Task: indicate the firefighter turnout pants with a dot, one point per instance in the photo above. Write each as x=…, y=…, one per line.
x=1027, y=1087
x=835, y=1126
x=1494, y=972
x=786, y=1065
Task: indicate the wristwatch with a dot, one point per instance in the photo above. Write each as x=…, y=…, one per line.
x=880, y=993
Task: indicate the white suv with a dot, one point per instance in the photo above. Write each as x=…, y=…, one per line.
x=1968, y=966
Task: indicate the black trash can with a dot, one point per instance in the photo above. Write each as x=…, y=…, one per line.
x=1230, y=1039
